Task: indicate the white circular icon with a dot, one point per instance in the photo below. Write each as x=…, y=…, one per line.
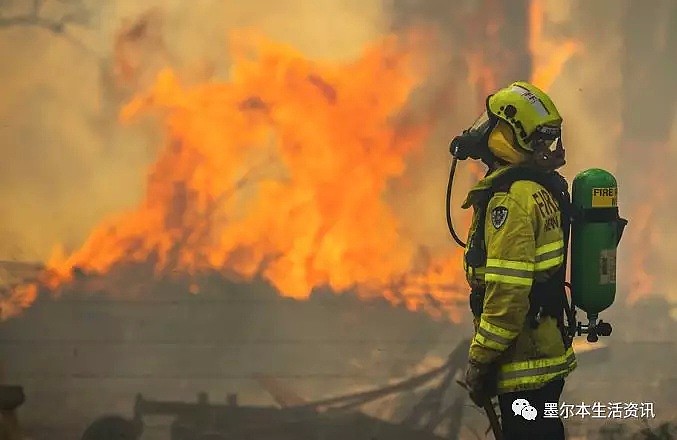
x=522, y=407
x=529, y=413
x=518, y=405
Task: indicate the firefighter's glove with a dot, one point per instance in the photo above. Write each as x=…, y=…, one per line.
x=479, y=379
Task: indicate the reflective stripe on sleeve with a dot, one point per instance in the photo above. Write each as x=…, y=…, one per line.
x=509, y=272
x=486, y=342
x=534, y=373
x=549, y=255
x=493, y=336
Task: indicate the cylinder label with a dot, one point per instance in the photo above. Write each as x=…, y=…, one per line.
x=607, y=266
x=604, y=197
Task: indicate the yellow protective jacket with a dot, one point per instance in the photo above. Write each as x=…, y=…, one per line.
x=524, y=243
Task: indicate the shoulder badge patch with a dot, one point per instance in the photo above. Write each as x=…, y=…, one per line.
x=498, y=216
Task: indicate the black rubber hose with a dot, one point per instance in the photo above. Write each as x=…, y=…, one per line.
x=450, y=223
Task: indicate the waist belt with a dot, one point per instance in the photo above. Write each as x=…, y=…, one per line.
x=542, y=302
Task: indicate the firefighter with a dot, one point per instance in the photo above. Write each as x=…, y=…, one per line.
x=515, y=259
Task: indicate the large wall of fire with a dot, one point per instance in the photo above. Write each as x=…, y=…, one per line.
x=307, y=144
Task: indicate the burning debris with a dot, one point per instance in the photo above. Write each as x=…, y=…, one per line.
x=309, y=214
x=286, y=170
x=283, y=172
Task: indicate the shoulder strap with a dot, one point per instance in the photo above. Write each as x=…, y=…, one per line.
x=553, y=182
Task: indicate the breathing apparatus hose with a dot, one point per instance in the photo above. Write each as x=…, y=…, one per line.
x=450, y=185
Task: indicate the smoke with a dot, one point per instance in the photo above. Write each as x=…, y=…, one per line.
x=68, y=163
x=618, y=100
x=614, y=91
x=478, y=46
x=591, y=107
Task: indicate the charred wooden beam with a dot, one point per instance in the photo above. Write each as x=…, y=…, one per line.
x=430, y=407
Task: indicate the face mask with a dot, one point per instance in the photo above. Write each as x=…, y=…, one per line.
x=548, y=153
x=472, y=143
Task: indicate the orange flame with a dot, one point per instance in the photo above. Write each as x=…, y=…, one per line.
x=17, y=298
x=549, y=56
x=280, y=173
x=641, y=283
x=642, y=238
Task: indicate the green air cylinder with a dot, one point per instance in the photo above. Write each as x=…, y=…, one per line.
x=595, y=233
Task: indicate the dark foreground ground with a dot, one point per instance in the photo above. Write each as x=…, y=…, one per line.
x=81, y=357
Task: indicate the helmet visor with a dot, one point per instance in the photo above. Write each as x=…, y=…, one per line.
x=480, y=122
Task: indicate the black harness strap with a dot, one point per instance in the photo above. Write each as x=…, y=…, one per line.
x=547, y=298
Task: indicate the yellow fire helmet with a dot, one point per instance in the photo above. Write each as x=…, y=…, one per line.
x=530, y=113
